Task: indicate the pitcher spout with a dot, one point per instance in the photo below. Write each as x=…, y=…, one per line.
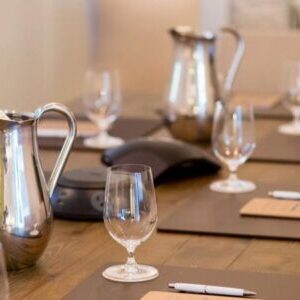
x=9, y=119
x=186, y=33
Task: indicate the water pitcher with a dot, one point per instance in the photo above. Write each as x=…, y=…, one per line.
x=25, y=210
x=195, y=85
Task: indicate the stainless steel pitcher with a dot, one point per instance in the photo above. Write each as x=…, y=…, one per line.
x=194, y=85
x=25, y=210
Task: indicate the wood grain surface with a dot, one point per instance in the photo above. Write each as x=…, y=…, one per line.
x=78, y=249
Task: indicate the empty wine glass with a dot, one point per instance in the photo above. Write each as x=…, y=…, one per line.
x=130, y=216
x=102, y=101
x=291, y=99
x=4, y=288
x=233, y=141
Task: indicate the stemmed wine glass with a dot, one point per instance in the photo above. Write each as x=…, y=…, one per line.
x=102, y=102
x=291, y=98
x=130, y=216
x=233, y=141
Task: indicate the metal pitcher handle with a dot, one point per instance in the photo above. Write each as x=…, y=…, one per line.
x=237, y=58
x=64, y=153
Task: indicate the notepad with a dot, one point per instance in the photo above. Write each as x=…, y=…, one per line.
x=274, y=208
x=155, y=295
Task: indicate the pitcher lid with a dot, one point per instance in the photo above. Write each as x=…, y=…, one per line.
x=187, y=33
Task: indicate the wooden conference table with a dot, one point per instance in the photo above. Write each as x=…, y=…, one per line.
x=78, y=249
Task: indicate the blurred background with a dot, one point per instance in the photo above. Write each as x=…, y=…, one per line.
x=47, y=45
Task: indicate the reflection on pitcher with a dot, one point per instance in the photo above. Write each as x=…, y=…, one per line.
x=25, y=210
x=194, y=85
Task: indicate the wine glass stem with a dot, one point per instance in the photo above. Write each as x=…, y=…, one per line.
x=233, y=176
x=296, y=114
x=131, y=265
x=102, y=135
x=232, y=172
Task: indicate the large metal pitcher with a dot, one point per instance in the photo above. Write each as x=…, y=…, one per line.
x=195, y=85
x=25, y=210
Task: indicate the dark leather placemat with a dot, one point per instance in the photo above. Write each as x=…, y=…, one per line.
x=277, y=147
x=278, y=111
x=126, y=128
x=209, y=212
x=267, y=286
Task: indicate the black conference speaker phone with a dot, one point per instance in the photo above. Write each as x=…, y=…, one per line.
x=79, y=194
x=170, y=160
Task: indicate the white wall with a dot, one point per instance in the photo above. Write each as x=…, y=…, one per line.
x=135, y=38
x=42, y=51
x=266, y=50
x=22, y=52
x=214, y=14
x=265, y=56
x=44, y=46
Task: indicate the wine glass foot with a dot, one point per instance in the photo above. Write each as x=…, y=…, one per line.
x=233, y=187
x=118, y=273
x=103, y=143
x=290, y=128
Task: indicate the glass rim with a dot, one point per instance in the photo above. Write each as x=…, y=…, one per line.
x=129, y=168
x=247, y=108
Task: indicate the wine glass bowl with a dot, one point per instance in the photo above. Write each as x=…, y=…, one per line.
x=130, y=216
x=102, y=103
x=233, y=141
